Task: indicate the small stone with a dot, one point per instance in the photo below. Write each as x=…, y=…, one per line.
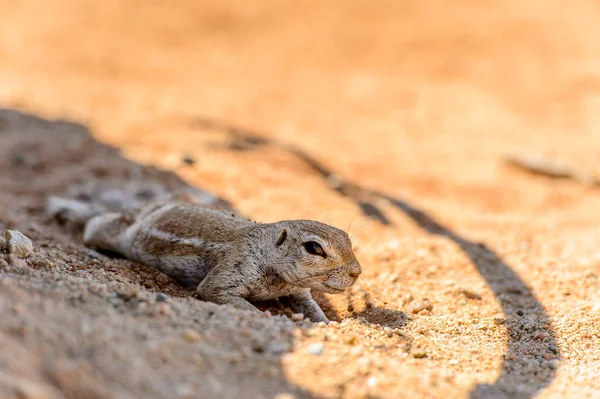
x=191, y=335
x=268, y=313
x=388, y=331
x=419, y=354
x=372, y=382
x=298, y=316
x=279, y=348
x=18, y=244
x=160, y=297
x=258, y=347
x=520, y=313
x=315, y=349
x=417, y=306
x=284, y=396
x=188, y=160
x=470, y=293
x=499, y=321
x=553, y=364
x=127, y=293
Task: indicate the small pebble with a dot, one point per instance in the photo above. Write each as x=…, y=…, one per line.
x=388, y=331
x=298, y=316
x=191, y=335
x=279, y=348
x=128, y=293
x=315, y=349
x=160, y=297
x=284, y=396
x=470, y=294
x=418, y=305
x=188, y=160
x=18, y=244
x=372, y=382
x=419, y=354
x=553, y=364
x=268, y=313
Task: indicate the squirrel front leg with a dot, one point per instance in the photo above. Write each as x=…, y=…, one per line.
x=221, y=287
x=303, y=302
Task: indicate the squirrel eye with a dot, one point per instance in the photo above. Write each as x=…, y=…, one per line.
x=314, y=248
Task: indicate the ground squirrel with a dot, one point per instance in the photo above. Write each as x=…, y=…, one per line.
x=230, y=260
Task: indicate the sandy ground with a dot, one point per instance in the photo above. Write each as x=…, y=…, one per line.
x=389, y=120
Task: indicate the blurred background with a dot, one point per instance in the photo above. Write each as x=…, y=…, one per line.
x=390, y=119
x=398, y=95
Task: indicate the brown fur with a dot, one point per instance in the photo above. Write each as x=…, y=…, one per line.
x=230, y=259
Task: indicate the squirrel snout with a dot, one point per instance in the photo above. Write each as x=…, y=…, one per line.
x=355, y=270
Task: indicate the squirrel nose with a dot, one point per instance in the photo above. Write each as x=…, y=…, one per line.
x=355, y=271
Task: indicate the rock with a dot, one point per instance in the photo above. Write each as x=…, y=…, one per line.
x=160, y=297
x=553, y=364
x=191, y=335
x=279, y=348
x=388, y=331
x=18, y=244
x=419, y=354
x=188, y=160
x=372, y=382
x=315, y=349
x=284, y=396
x=128, y=293
x=419, y=305
x=470, y=294
x=298, y=316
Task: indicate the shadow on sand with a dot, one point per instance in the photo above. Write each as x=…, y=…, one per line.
x=41, y=157
x=524, y=372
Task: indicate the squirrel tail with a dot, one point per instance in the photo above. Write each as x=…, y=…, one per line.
x=72, y=211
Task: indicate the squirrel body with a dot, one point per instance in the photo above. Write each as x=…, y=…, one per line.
x=229, y=259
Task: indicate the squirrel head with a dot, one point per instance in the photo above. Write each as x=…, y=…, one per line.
x=314, y=255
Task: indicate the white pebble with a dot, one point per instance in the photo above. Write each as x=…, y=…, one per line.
x=297, y=316
x=388, y=331
x=18, y=244
x=315, y=349
x=372, y=381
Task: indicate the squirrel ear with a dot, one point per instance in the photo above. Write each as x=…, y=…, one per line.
x=282, y=237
